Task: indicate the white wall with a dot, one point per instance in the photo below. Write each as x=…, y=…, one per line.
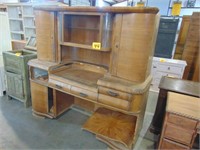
x=8, y=1
x=101, y=3
x=161, y=4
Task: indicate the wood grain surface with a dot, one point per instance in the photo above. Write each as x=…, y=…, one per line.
x=113, y=125
x=152, y=10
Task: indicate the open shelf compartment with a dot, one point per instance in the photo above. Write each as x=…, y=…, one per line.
x=84, y=30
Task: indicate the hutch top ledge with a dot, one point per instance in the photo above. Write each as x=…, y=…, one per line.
x=152, y=10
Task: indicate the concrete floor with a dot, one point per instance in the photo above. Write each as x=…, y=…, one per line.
x=19, y=129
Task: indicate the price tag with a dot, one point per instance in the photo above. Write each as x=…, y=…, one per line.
x=162, y=60
x=176, y=8
x=140, y=4
x=18, y=54
x=96, y=45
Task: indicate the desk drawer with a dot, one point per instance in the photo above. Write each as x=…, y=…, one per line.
x=167, y=144
x=59, y=85
x=115, y=102
x=182, y=121
x=178, y=134
x=114, y=93
x=84, y=93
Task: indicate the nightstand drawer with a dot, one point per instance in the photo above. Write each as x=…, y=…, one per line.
x=178, y=134
x=182, y=121
x=114, y=102
x=160, y=74
x=168, y=68
x=59, y=85
x=84, y=93
x=167, y=144
x=115, y=93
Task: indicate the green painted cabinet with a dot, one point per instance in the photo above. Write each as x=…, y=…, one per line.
x=17, y=75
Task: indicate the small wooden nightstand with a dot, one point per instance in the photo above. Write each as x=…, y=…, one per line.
x=181, y=123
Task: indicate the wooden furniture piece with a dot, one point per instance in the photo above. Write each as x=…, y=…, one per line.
x=181, y=123
x=173, y=85
x=166, y=37
x=18, y=44
x=191, y=49
x=16, y=71
x=96, y=59
x=182, y=37
x=21, y=20
x=195, y=76
x=166, y=67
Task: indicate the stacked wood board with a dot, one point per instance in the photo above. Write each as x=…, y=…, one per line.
x=191, y=49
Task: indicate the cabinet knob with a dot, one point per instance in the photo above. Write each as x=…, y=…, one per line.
x=112, y=94
x=83, y=94
x=58, y=86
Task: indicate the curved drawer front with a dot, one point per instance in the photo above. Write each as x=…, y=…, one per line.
x=115, y=93
x=59, y=85
x=84, y=93
x=115, y=102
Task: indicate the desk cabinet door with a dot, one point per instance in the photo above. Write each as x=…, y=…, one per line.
x=15, y=85
x=39, y=96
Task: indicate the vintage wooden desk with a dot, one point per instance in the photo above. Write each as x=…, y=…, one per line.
x=173, y=85
x=182, y=122
x=98, y=59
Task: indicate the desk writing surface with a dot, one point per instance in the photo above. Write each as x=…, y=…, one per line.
x=180, y=86
x=184, y=105
x=78, y=75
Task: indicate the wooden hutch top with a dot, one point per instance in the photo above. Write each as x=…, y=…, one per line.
x=152, y=10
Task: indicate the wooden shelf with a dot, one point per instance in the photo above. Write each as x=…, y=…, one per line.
x=17, y=32
x=20, y=16
x=28, y=16
x=29, y=27
x=83, y=46
x=16, y=19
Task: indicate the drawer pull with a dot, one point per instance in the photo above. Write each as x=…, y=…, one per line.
x=83, y=95
x=113, y=94
x=58, y=86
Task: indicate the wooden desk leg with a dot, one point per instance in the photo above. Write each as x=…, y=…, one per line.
x=156, y=124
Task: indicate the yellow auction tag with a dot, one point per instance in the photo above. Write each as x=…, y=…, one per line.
x=140, y=4
x=96, y=45
x=176, y=8
x=18, y=54
x=162, y=60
